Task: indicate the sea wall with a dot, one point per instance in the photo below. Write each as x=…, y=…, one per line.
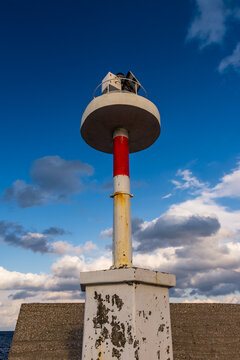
x=54, y=332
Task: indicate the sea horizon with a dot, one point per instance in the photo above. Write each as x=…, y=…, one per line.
x=5, y=343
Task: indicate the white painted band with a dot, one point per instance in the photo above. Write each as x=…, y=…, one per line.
x=120, y=132
x=121, y=183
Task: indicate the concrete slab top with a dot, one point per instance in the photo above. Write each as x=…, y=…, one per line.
x=127, y=275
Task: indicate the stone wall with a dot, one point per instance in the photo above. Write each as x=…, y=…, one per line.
x=48, y=332
x=206, y=331
x=54, y=331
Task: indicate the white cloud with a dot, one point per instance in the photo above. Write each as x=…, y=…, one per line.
x=53, y=180
x=61, y=285
x=8, y=312
x=107, y=233
x=209, y=24
x=88, y=247
x=231, y=61
x=15, y=235
x=35, y=242
x=229, y=186
x=197, y=239
x=64, y=275
x=64, y=247
x=188, y=181
x=16, y=280
x=226, y=300
x=166, y=196
x=10, y=308
x=212, y=257
x=68, y=267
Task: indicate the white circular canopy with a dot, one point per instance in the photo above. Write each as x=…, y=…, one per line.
x=115, y=110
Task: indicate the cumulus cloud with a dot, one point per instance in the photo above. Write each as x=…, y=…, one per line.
x=15, y=235
x=229, y=185
x=210, y=265
x=231, y=62
x=53, y=173
x=21, y=295
x=25, y=195
x=108, y=233
x=64, y=247
x=136, y=223
x=33, y=241
x=209, y=23
x=11, y=302
x=10, y=280
x=64, y=275
x=197, y=239
x=88, y=247
x=170, y=230
x=53, y=180
x=218, y=282
x=55, y=231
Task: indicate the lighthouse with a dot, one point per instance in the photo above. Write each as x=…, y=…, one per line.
x=127, y=308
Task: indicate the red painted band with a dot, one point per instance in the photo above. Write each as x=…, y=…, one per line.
x=120, y=156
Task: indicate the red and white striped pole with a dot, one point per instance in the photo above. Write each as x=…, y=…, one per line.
x=122, y=237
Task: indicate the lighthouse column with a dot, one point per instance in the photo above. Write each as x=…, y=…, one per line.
x=122, y=241
x=127, y=313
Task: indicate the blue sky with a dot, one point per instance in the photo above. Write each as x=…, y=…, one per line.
x=55, y=209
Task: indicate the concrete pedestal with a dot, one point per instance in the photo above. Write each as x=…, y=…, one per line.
x=127, y=315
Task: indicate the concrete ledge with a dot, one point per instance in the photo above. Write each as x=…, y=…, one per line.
x=127, y=275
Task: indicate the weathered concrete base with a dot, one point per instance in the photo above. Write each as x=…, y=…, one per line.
x=127, y=315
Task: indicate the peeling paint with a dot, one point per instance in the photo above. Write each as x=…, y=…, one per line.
x=136, y=355
x=129, y=333
x=161, y=328
x=102, y=312
x=116, y=353
x=136, y=343
x=116, y=300
x=118, y=333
